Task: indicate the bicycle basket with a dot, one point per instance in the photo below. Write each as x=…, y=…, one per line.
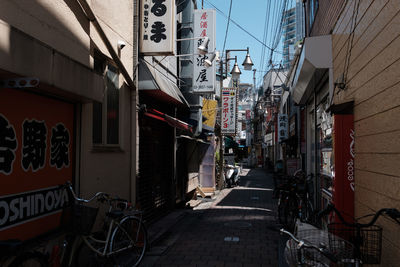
x=311, y=257
x=370, y=240
x=83, y=218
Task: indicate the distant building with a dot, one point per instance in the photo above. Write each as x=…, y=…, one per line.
x=292, y=32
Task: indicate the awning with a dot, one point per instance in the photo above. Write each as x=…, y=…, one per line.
x=315, y=58
x=155, y=114
x=154, y=81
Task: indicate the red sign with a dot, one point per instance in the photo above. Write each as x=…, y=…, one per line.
x=36, y=155
x=343, y=183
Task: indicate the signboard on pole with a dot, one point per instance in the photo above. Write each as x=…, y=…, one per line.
x=282, y=127
x=204, y=26
x=229, y=112
x=157, y=27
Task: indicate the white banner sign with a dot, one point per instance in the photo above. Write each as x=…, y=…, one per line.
x=157, y=27
x=228, y=117
x=282, y=127
x=204, y=26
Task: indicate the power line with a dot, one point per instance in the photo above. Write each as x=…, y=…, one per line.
x=240, y=27
x=227, y=26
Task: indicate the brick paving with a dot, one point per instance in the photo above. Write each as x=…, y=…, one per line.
x=230, y=231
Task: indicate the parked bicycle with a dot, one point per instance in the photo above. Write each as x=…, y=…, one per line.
x=123, y=239
x=295, y=200
x=14, y=254
x=366, y=238
x=310, y=248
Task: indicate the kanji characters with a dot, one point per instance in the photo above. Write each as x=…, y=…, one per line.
x=158, y=8
x=8, y=145
x=158, y=29
x=202, y=76
x=59, y=146
x=34, y=144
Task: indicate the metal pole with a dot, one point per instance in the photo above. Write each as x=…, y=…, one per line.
x=221, y=149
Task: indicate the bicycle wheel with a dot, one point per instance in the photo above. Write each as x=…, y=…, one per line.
x=30, y=259
x=291, y=213
x=281, y=209
x=130, y=232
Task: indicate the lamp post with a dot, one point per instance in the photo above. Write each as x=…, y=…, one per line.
x=247, y=65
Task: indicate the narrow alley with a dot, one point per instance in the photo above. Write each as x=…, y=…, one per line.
x=230, y=229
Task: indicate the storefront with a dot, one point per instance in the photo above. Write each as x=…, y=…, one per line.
x=327, y=143
x=37, y=139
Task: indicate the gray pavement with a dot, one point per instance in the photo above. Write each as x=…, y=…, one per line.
x=230, y=229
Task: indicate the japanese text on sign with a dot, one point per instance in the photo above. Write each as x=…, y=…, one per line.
x=204, y=26
x=157, y=27
x=282, y=127
x=34, y=145
x=228, y=113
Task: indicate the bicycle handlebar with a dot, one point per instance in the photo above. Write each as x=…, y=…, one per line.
x=98, y=195
x=393, y=213
x=301, y=243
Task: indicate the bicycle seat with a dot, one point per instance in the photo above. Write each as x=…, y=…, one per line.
x=8, y=246
x=115, y=214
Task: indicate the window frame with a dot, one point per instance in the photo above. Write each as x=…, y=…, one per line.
x=106, y=64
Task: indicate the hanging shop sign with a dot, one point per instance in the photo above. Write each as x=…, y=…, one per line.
x=229, y=112
x=157, y=24
x=36, y=156
x=204, y=26
x=282, y=127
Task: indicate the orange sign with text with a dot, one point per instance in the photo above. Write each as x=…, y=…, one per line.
x=36, y=155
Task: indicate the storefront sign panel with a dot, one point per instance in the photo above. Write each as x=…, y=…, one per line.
x=36, y=155
x=282, y=127
x=204, y=26
x=157, y=26
x=228, y=113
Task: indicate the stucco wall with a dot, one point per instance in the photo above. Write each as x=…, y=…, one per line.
x=373, y=83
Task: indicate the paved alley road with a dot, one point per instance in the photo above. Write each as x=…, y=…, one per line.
x=230, y=230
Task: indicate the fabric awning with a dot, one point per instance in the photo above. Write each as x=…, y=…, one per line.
x=316, y=55
x=173, y=122
x=154, y=81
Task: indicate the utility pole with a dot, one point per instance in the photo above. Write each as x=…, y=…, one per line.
x=221, y=149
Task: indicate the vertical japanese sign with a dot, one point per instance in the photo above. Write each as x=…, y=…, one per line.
x=204, y=26
x=36, y=155
x=157, y=25
x=228, y=113
x=282, y=127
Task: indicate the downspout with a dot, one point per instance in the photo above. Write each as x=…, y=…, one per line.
x=316, y=169
x=134, y=151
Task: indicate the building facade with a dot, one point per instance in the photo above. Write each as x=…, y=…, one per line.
x=67, y=104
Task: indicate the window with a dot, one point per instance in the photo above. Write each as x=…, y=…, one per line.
x=106, y=114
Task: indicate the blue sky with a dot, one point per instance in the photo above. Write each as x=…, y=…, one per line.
x=250, y=15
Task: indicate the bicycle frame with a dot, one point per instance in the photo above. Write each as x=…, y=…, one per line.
x=106, y=244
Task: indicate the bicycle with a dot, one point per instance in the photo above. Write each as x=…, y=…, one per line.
x=365, y=237
x=294, y=201
x=310, y=248
x=13, y=254
x=123, y=239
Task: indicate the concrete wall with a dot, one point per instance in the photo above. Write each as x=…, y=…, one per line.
x=373, y=82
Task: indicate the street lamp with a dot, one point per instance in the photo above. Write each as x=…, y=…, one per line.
x=236, y=71
x=247, y=65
